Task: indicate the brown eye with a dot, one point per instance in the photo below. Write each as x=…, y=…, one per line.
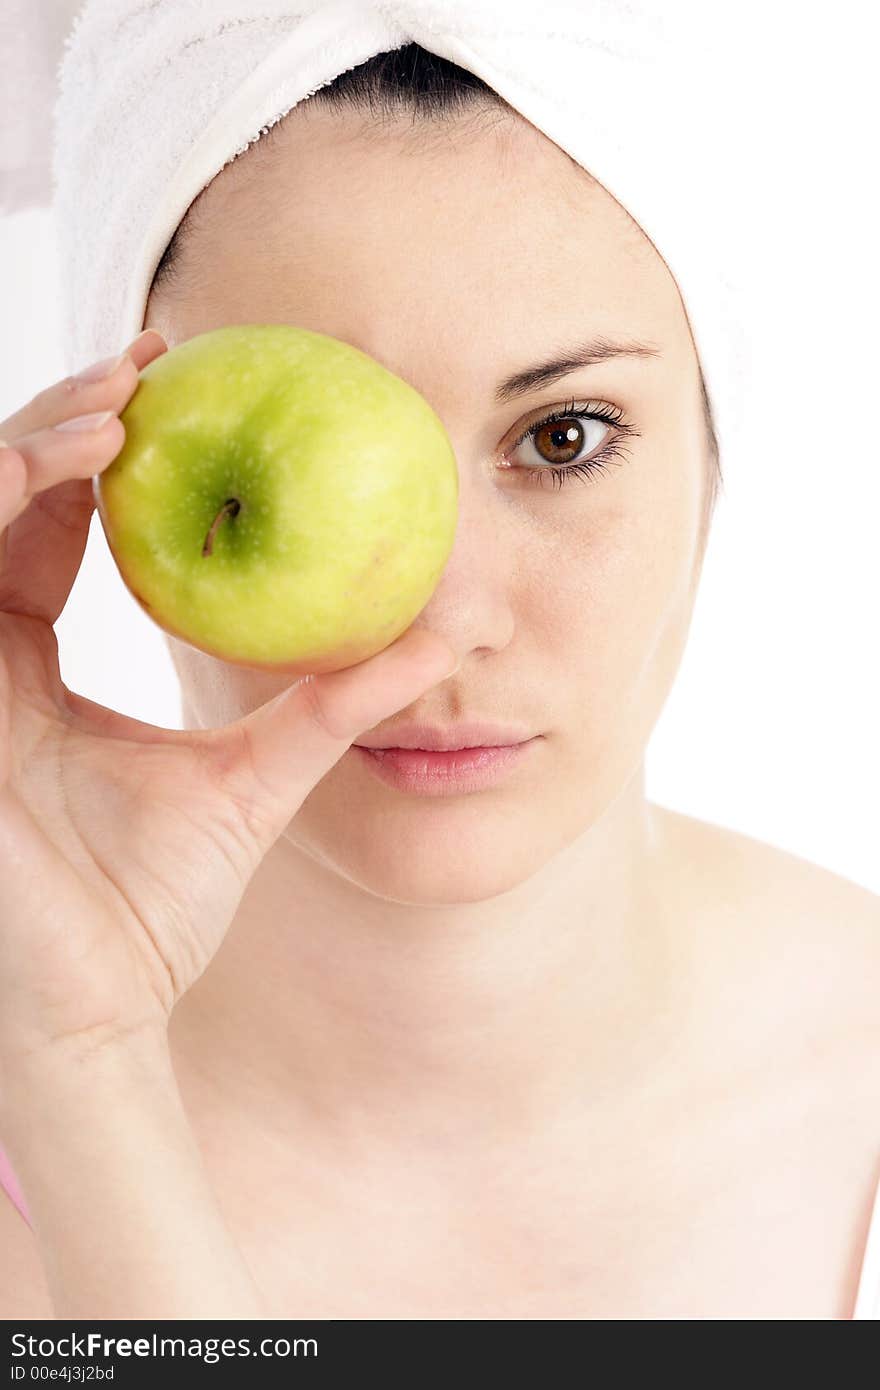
x=570, y=442
x=559, y=442
x=566, y=437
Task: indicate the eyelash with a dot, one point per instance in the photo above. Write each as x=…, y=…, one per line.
x=560, y=473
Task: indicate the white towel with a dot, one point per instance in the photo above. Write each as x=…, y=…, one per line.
x=156, y=96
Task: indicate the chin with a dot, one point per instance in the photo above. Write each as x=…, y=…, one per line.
x=480, y=853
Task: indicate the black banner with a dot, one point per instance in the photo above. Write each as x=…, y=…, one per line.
x=141, y=1353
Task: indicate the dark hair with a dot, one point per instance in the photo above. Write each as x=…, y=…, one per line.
x=413, y=80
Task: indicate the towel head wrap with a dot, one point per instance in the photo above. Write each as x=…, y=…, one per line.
x=155, y=97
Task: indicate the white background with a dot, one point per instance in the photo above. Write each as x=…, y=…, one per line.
x=771, y=727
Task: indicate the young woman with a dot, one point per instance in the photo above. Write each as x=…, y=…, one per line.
x=294, y=1024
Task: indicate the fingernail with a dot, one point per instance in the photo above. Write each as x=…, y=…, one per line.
x=99, y=370
x=87, y=422
x=155, y=332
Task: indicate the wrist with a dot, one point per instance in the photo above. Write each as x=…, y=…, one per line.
x=86, y=1127
x=80, y=1070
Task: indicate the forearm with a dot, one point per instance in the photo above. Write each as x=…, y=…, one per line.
x=119, y=1200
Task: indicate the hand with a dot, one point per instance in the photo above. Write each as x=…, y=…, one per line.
x=126, y=848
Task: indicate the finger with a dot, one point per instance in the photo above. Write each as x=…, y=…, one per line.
x=13, y=482
x=13, y=498
x=273, y=757
x=41, y=551
x=53, y=455
x=48, y=518
x=44, y=541
x=72, y=396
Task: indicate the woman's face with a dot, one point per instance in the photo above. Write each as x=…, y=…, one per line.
x=457, y=258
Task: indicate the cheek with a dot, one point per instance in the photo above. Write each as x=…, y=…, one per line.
x=605, y=609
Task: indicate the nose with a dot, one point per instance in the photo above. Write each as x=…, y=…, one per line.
x=472, y=606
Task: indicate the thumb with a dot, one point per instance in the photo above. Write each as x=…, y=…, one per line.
x=283, y=748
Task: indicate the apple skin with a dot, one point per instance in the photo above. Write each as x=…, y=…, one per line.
x=347, y=491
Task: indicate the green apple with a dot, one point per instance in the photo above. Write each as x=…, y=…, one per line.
x=281, y=499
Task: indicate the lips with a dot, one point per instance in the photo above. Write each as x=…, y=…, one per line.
x=434, y=772
x=433, y=738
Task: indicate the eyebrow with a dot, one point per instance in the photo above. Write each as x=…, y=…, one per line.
x=584, y=355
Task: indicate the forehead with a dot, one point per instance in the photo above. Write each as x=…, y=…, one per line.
x=474, y=231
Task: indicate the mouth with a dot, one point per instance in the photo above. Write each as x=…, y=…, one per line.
x=448, y=771
x=448, y=738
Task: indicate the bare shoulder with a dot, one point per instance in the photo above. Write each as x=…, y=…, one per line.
x=809, y=934
x=755, y=863
x=24, y=1293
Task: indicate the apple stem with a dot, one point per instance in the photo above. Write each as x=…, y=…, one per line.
x=231, y=507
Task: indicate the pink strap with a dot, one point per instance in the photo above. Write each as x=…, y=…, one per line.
x=9, y=1184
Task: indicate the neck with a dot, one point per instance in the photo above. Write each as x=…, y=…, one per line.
x=370, y=1018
